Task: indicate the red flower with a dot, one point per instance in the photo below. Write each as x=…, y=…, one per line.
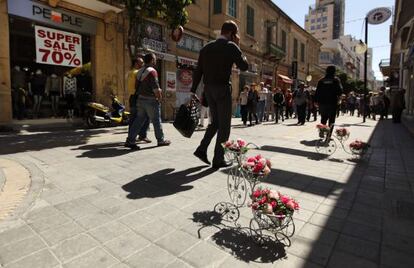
x=258, y=157
x=257, y=193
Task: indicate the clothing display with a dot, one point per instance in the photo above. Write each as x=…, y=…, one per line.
x=69, y=85
x=54, y=85
x=38, y=84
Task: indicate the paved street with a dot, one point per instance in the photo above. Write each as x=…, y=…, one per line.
x=79, y=199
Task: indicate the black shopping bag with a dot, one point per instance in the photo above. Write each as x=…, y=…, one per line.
x=186, y=119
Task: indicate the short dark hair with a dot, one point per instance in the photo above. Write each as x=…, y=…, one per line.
x=229, y=26
x=149, y=57
x=330, y=71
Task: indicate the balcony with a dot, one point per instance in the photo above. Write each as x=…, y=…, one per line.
x=385, y=67
x=274, y=52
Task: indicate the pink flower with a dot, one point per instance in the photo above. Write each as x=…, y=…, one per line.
x=268, y=209
x=258, y=157
x=241, y=143
x=263, y=200
x=251, y=160
x=266, y=170
x=284, y=199
x=273, y=204
x=257, y=193
x=291, y=204
x=273, y=195
x=268, y=163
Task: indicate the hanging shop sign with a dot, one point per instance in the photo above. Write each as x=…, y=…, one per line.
x=187, y=61
x=379, y=15
x=58, y=47
x=154, y=45
x=185, y=80
x=191, y=43
x=51, y=16
x=171, y=81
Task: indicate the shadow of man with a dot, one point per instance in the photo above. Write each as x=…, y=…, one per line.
x=164, y=182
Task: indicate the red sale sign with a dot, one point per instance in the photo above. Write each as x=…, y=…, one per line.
x=58, y=47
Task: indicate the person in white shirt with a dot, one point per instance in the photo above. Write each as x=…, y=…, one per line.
x=243, y=103
x=261, y=104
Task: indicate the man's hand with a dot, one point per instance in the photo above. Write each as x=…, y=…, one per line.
x=158, y=94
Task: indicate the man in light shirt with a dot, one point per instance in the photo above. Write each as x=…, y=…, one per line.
x=262, y=101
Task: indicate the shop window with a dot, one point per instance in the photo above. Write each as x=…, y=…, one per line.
x=217, y=7
x=233, y=8
x=284, y=41
x=302, y=52
x=250, y=21
x=295, y=48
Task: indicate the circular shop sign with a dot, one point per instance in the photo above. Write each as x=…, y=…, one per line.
x=379, y=15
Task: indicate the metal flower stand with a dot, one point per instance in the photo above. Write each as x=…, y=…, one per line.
x=264, y=226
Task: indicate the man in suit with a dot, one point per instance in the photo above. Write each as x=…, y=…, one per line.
x=214, y=66
x=327, y=94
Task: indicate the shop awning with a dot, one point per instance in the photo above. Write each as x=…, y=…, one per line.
x=187, y=61
x=285, y=79
x=164, y=56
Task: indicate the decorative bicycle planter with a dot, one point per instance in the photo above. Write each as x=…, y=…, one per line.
x=272, y=216
x=328, y=144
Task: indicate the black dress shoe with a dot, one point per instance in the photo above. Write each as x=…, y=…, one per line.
x=222, y=164
x=202, y=156
x=131, y=146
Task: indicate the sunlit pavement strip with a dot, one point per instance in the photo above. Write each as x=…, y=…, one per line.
x=15, y=187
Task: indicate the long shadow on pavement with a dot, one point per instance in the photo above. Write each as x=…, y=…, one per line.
x=40, y=141
x=237, y=240
x=290, y=151
x=105, y=150
x=165, y=182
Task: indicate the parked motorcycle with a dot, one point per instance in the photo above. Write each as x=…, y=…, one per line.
x=97, y=114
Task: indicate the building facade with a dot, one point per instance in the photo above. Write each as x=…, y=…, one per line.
x=401, y=67
x=271, y=40
x=325, y=19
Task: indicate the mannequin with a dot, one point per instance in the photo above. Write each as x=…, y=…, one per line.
x=54, y=90
x=69, y=91
x=19, y=92
x=38, y=86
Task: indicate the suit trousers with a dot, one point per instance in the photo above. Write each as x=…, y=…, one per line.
x=219, y=101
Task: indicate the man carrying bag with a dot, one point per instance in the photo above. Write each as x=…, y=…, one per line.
x=214, y=66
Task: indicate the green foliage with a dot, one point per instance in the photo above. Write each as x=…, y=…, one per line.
x=173, y=12
x=350, y=84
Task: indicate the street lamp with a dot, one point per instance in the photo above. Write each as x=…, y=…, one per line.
x=375, y=16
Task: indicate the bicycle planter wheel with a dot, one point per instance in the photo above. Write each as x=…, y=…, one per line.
x=326, y=147
x=228, y=211
x=237, y=187
x=284, y=224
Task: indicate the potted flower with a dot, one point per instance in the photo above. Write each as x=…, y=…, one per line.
x=358, y=147
x=342, y=133
x=257, y=166
x=235, y=149
x=273, y=204
x=323, y=130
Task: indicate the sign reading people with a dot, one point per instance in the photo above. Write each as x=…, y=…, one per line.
x=58, y=47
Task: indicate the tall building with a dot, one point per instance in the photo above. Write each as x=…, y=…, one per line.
x=325, y=19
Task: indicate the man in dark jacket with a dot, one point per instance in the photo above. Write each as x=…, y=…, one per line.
x=214, y=66
x=278, y=102
x=327, y=93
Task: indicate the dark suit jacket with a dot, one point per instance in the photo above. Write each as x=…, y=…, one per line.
x=215, y=63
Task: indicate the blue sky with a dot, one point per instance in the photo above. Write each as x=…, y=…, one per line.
x=354, y=10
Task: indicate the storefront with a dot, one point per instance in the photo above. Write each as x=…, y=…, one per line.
x=48, y=53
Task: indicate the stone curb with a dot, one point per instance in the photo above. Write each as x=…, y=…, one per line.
x=36, y=186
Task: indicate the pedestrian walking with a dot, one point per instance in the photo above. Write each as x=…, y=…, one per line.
x=398, y=105
x=351, y=103
x=148, y=103
x=311, y=108
x=279, y=103
x=137, y=64
x=252, y=100
x=300, y=97
x=261, y=105
x=215, y=66
x=289, y=104
x=328, y=91
x=243, y=104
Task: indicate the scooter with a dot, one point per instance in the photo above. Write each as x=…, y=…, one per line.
x=97, y=114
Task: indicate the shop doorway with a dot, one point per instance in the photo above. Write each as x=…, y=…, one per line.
x=42, y=90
